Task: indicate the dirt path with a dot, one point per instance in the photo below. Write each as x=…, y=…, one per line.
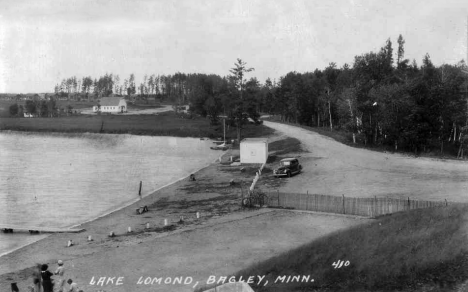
x=333, y=168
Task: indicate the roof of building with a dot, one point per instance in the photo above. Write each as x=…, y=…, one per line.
x=254, y=140
x=110, y=100
x=288, y=159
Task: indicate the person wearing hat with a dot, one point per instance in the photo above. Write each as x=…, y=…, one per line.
x=46, y=280
x=60, y=272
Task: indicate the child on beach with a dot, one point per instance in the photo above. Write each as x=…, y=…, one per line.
x=61, y=280
x=73, y=286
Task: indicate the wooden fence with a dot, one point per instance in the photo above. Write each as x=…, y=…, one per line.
x=368, y=207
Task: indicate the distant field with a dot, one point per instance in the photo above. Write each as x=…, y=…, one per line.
x=165, y=124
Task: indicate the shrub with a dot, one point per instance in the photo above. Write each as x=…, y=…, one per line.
x=14, y=108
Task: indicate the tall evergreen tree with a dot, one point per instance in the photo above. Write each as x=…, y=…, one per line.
x=238, y=73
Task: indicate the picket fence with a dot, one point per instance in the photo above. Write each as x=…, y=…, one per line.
x=368, y=207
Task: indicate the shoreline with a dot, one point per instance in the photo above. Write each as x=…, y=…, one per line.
x=94, y=223
x=119, y=208
x=137, y=200
x=22, y=246
x=89, y=134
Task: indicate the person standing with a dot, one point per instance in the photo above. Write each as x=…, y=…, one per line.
x=46, y=279
x=14, y=287
x=60, y=272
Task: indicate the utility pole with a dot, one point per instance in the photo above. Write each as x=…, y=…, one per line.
x=465, y=70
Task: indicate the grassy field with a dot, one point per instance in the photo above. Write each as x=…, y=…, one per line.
x=419, y=250
x=164, y=124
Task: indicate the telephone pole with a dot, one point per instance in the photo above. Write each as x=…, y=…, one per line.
x=465, y=70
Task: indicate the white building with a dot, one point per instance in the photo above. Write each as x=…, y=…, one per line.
x=113, y=104
x=254, y=150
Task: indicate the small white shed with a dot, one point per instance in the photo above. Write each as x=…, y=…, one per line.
x=254, y=150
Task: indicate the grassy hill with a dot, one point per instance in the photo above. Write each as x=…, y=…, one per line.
x=423, y=249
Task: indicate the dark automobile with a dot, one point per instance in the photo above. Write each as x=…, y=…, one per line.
x=288, y=167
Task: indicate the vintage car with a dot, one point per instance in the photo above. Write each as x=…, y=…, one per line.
x=288, y=167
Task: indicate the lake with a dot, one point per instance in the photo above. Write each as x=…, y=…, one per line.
x=60, y=180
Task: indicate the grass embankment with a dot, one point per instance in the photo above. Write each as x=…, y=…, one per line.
x=163, y=124
x=284, y=146
x=417, y=250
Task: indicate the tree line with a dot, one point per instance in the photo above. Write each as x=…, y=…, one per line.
x=40, y=108
x=379, y=99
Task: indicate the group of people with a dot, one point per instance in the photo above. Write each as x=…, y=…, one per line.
x=45, y=283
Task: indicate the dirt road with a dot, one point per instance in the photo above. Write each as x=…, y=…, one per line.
x=333, y=168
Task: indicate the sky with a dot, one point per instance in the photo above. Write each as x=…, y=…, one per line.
x=43, y=42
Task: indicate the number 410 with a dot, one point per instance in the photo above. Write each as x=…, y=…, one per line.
x=338, y=264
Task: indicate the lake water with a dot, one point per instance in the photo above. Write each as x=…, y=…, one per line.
x=59, y=180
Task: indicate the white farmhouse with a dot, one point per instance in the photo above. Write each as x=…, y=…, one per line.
x=254, y=150
x=112, y=104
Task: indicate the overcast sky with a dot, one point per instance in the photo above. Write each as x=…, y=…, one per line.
x=42, y=42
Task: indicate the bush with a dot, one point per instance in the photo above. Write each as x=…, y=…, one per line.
x=14, y=109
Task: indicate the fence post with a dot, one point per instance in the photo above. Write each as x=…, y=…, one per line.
x=445, y=202
x=387, y=205
x=344, y=211
x=277, y=192
x=315, y=202
x=307, y=201
x=375, y=206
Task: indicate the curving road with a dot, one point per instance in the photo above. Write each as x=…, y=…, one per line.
x=333, y=168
